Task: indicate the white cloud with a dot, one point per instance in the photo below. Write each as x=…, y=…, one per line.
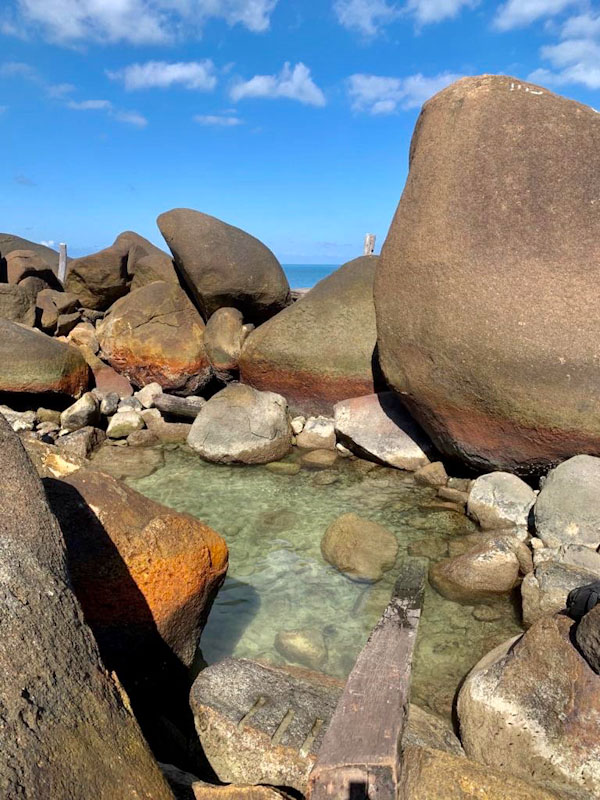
x=131, y=118
x=137, y=21
x=90, y=105
x=218, y=120
x=375, y=94
x=365, y=16
x=161, y=74
x=576, y=59
x=429, y=11
x=59, y=90
x=49, y=243
x=294, y=84
x=19, y=69
x=519, y=13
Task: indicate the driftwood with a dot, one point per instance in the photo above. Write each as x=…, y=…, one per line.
x=360, y=755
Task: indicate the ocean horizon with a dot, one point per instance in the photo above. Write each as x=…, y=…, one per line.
x=305, y=276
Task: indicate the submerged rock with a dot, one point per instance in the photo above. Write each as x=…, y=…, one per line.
x=474, y=326
x=532, y=707
x=67, y=729
x=31, y=362
x=241, y=425
x=363, y=550
x=224, y=266
x=378, y=426
x=321, y=349
x=306, y=647
x=156, y=335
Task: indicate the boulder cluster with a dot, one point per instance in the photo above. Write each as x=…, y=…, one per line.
x=465, y=354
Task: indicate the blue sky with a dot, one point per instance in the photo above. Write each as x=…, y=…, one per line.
x=289, y=118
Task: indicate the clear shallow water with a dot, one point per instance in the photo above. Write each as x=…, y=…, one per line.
x=278, y=579
x=305, y=276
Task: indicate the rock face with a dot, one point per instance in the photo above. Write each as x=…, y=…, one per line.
x=248, y=751
x=587, y=635
x=22, y=264
x=361, y=549
x=66, y=729
x=16, y=305
x=31, y=362
x=99, y=279
x=480, y=575
x=224, y=266
x=145, y=262
x=239, y=425
x=378, y=426
x=156, y=335
x=9, y=243
x=568, y=507
x=500, y=500
x=159, y=569
x=223, y=339
x=321, y=349
x=476, y=265
x=533, y=708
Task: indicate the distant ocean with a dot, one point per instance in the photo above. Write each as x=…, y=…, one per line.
x=304, y=276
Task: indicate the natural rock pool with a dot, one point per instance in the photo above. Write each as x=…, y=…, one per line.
x=278, y=580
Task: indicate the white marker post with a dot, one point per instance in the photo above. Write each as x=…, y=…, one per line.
x=62, y=262
x=369, y=244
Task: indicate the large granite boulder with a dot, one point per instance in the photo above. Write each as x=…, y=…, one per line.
x=9, y=243
x=31, y=362
x=156, y=335
x=223, y=339
x=146, y=263
x=532, y=707
x=567, y=510
x=22, y=264
x=486, y=290
x=378, y=427
x=224, y=266
x=587, y=636
x=66, y=729
x=322, y=349
x=240, y=425
x=99, y=279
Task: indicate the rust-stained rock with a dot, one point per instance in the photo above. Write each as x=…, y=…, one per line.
x=33, y=363
x=321, y=349
x=66, y=731
x=137, y=566
x=532, y=708
x=156, y=335
x=486, y=290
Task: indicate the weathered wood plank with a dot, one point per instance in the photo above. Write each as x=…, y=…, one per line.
x=62, y=262
x=360, y=754
x=369, y=244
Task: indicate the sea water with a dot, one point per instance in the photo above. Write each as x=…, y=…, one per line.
x=278, y=580
x=305, y=276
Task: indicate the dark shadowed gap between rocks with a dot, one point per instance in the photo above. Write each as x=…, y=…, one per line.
x=155, y=679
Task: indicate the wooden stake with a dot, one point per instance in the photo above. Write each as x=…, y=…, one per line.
x=369, y=244
x=62, y=262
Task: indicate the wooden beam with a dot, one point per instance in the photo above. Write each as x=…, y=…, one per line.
x=361, y=751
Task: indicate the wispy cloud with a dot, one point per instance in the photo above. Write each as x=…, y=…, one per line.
x=218, y=120
x=131, y=118
x=23, y=180
x=575, y=59
x=199, y=75
x=90, y=105
x=426, y=12
x=365, y=16
x=19, y=69
x=294, y=84
x=378, y=95
x=520, y=13
x=135, y=21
